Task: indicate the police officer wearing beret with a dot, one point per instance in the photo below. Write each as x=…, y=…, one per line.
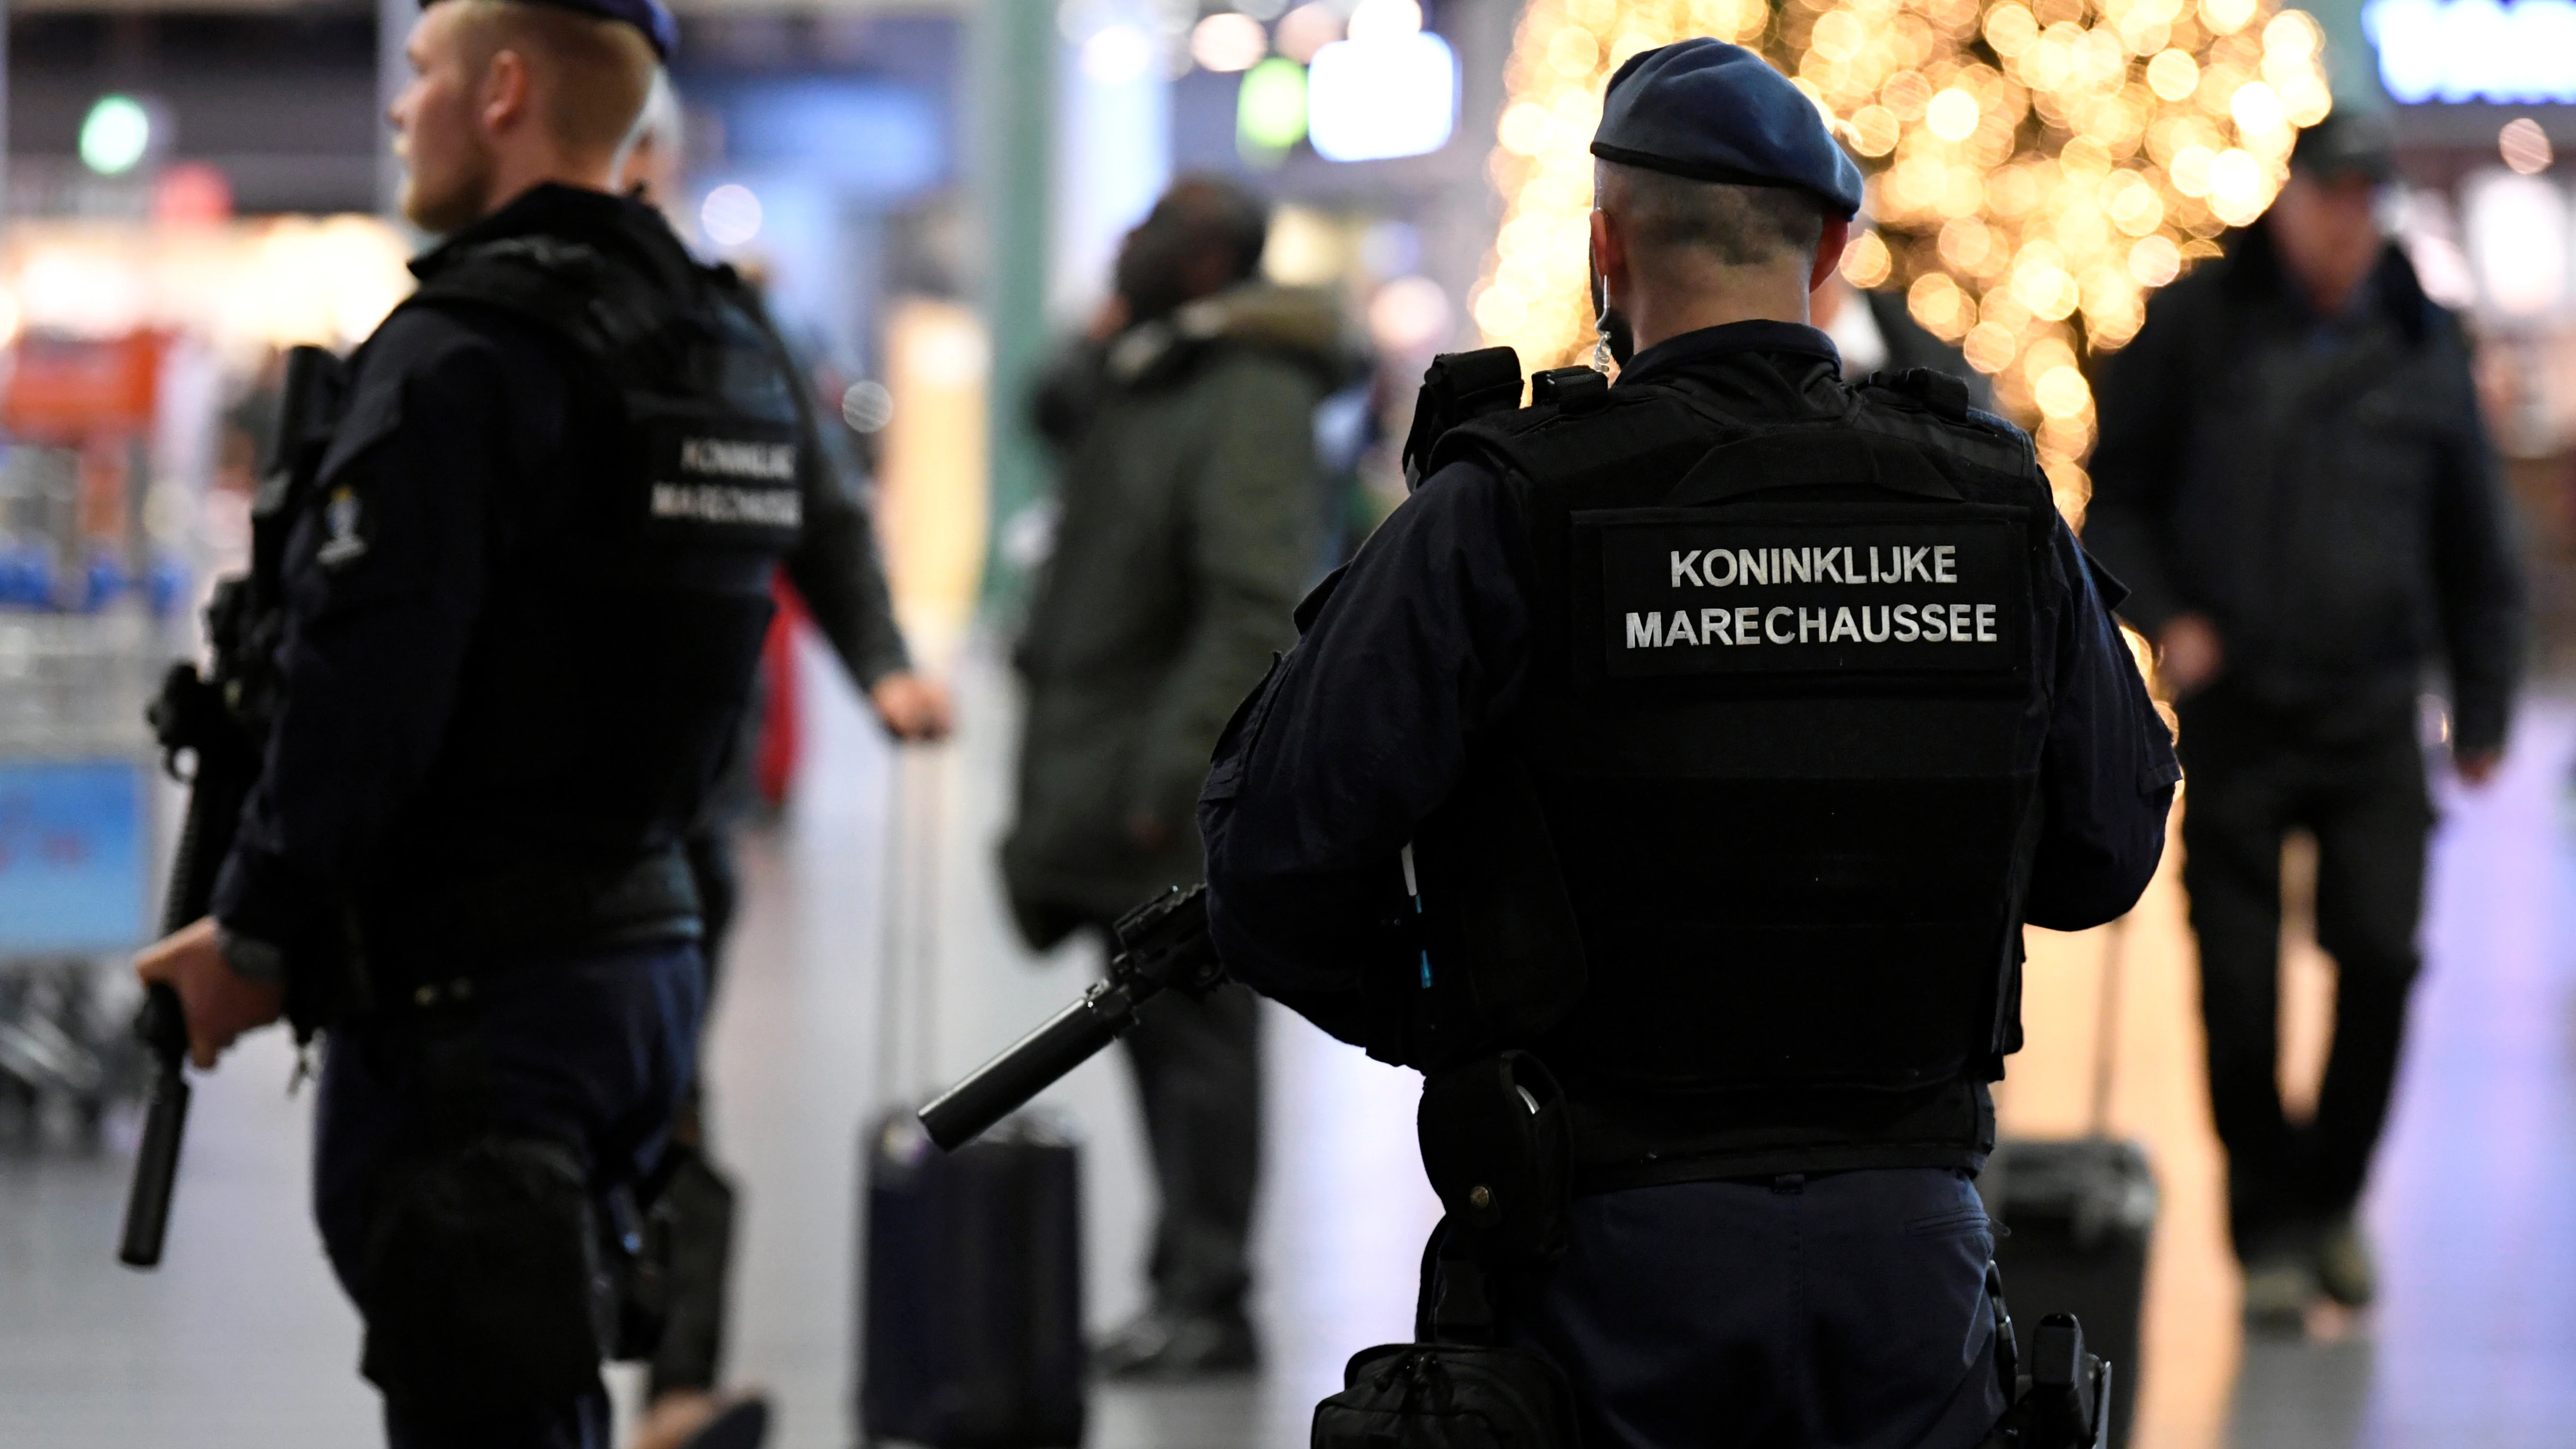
x=1713, y=736
x=522, y=613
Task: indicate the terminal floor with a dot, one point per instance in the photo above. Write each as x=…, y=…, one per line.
x=241, y=1340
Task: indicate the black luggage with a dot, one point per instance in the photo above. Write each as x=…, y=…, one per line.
x=971, y=1316
x=2078, y=1215
x=973, y=1319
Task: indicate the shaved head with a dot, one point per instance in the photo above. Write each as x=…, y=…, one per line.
x=593, y=74
x=1676, y=224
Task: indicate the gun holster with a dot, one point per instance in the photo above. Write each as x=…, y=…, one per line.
x=2059, y=1393
x=1498, y=1148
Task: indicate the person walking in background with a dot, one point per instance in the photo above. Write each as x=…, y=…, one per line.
x=1189, y=525
x=839, y=577
x=2294, y=481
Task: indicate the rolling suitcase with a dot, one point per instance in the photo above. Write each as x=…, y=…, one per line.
x=971, y=1294
x=2078, y=1215
x=974, y=1289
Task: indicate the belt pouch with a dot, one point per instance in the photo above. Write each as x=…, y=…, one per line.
x=482, y=1283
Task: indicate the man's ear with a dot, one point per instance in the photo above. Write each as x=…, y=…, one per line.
x=1610, y=255
x=1829, y=251
x=506, y=100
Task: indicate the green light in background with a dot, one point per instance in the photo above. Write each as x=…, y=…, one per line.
x=115, y=135
x=1270, y=109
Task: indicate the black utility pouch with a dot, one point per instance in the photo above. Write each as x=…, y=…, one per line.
x=1448, y=1396
x=1499, y=1150
x=482, y=1286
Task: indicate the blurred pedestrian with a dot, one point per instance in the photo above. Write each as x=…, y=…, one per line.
x=2294, y=481
x=1875, y=333
x=1189, y=525
x=843, y=586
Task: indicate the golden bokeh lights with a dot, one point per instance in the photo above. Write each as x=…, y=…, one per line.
x=2035, y=166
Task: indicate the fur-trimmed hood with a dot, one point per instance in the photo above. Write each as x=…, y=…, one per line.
x=1304, y=324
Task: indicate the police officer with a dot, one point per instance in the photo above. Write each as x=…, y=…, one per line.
x=1723, y=727
x=523, y=611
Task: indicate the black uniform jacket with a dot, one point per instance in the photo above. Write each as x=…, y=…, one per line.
x=2321, y=488
x=462, y=429
x=1424, y=646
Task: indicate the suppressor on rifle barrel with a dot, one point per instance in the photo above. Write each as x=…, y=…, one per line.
x=165, y=1124
x=1032, y=1064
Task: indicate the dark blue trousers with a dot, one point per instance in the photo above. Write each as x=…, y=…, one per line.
x=1845, y=1311
x=591, y=1051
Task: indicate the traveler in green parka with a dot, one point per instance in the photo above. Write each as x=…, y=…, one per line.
x=1191, y=522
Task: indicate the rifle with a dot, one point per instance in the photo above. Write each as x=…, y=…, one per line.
x=1162, y=943
x=219, y=719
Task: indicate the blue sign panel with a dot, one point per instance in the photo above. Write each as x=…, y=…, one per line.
x=73, y=857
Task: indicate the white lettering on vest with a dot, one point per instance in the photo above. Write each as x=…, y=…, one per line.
x=716, y=503
x=730, y=458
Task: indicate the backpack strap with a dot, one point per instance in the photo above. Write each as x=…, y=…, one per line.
x=618, y=315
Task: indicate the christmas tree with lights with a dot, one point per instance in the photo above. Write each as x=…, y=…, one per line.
x=2036, y=167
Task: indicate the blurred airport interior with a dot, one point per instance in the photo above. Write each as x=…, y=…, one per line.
x=931, y=193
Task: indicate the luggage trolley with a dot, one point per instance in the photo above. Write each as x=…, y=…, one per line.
x=77, y=809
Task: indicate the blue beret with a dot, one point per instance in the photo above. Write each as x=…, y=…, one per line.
x=649, y=16
x=1717, y=112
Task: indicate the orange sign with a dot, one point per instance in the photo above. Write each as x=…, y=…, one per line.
x=64, y=390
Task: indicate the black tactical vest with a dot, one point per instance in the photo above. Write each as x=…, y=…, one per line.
x=1781, y=737
x=606, y=681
